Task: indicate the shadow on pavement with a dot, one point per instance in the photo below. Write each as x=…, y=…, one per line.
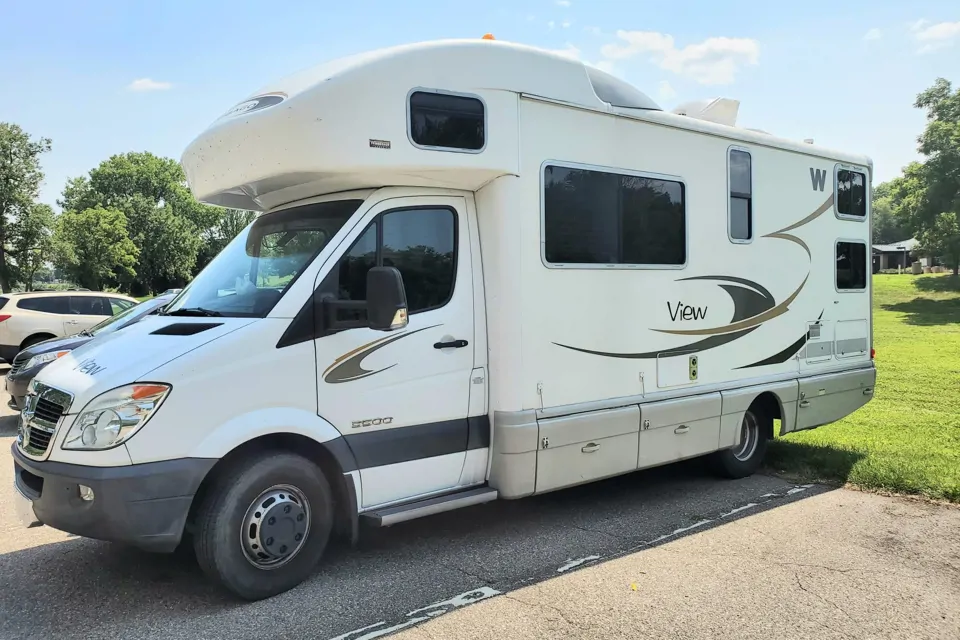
x=812, y=462
x=8, y=426
x=99, y=590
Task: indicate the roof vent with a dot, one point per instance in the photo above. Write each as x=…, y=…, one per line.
x=718, y=110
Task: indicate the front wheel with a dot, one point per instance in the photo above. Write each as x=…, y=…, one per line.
x=745, y=458
x=263, y=526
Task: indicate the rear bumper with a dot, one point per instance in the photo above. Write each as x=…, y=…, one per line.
x=143, y=505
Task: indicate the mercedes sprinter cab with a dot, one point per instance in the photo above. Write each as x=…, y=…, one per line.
x=480, y=271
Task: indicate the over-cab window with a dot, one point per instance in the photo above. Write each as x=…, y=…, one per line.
x=447, y=121
x=851, y=194
x=612, y=219
x=420, y=243
x=851, y=266
x=741, y=196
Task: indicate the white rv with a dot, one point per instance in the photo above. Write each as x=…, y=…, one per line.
x=481, y=271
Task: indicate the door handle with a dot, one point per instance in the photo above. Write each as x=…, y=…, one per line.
x=453, y=344
x=590, y=448
x=73, y=322
x=868, y=391
x=682, y=429
x=804, y=403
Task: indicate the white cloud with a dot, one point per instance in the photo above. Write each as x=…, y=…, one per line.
x=935, y=36
x=593, y=30
x=566, y=24
x=713, y=61
x=873, y=34
x=148, y=84
x=551, y=24
x=564, y=3
x=666, y=91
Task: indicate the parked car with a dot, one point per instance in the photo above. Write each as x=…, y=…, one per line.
x=173, y=291
x=31, y=360
x=32, y=317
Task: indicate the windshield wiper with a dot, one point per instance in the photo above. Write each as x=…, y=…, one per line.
x=86, y=333
x=194, y=311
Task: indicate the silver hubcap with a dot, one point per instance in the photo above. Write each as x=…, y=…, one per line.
x=749, y=437
x=275, y=526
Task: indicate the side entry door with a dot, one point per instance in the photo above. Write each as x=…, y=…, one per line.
x=401, y=397
x=85, y=312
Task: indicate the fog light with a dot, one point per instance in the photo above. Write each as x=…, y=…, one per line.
x=86, y=493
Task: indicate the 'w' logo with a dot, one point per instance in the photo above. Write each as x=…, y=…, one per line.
x=818, y=177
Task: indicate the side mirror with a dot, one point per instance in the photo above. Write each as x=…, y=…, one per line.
x=386, y=299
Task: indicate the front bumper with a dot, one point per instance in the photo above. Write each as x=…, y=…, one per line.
x=143, y=505
x=17, y=388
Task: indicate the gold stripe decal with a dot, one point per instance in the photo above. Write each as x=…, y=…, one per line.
x=348, y=367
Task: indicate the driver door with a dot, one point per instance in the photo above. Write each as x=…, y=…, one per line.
x=401, y=398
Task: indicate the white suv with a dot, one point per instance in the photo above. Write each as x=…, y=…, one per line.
x=29, y=318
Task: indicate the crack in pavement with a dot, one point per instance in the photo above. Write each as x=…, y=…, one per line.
x=549, y=607
x=822, y=599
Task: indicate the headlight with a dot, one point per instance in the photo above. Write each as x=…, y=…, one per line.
x=44, y=358
x=112, y=418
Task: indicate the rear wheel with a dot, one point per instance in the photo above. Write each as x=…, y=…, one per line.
x=32, y=340
x=746, y=457
x=263, y=526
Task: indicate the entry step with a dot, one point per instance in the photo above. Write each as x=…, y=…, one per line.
x=422, y=508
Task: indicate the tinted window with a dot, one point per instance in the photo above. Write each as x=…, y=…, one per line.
x=420, y=243
x=46, y=304
x=851, y=193
x=851, y=265
x=594, y=217
x=3, y=302
x=90, y=306
x=452, y=122
x=741, y=195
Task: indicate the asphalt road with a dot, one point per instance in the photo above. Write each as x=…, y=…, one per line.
x=56, y=586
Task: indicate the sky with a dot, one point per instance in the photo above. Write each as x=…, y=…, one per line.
x=103, y=77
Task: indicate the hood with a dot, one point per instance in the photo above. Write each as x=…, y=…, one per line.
x=130, y=355
x=54, y=344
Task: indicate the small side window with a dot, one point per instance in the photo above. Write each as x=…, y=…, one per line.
x=851, y=266
x=741, y=196
x=851, y=194
x=445, y=121
x=46, y=304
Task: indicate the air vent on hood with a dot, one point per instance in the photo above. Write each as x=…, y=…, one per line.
x=185, y=328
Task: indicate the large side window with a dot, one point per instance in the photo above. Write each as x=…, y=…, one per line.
x=851, y=194
x=851, y=266
x=612, y=219
x=741, y=196
x=445, y=121
x=90, y=306
x=46, y=304
x=420, y=243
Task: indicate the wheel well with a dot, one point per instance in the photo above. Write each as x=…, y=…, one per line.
x=768, y=406
x=37, y=337
x=344, y=500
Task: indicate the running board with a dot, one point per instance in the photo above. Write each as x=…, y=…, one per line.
x=422, y=508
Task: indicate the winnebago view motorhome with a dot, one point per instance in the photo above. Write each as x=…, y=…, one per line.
x=481, y=271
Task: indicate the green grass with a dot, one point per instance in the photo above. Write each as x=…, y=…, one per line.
x=907, y=439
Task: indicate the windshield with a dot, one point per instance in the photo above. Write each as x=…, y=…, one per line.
x=251, y=274
x=122, y=319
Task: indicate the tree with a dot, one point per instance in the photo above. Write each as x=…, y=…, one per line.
x=231, y=222
x=888, y=227
x=20, y=179
x=92, y=246
x=932, y=202
x=166, y=223
x=31, y=242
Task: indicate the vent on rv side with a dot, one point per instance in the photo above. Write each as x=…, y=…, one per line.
x=185, y=328
x=446, y=121
x=718, y=110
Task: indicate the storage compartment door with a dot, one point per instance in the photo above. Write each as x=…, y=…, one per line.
x=677, y=429
x=828, y=398
x=588, y=446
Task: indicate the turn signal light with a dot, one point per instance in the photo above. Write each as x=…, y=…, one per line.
x=873, y=353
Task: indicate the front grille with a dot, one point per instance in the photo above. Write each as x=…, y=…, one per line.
x=45, y=407
x=48, y=411
x=18, y=364
x=37, y=440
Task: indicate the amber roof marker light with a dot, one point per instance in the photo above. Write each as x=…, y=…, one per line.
x=488, y=36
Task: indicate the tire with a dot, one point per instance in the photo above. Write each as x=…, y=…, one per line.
x=745, y=458
x=32, y=340
x=264, y=496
